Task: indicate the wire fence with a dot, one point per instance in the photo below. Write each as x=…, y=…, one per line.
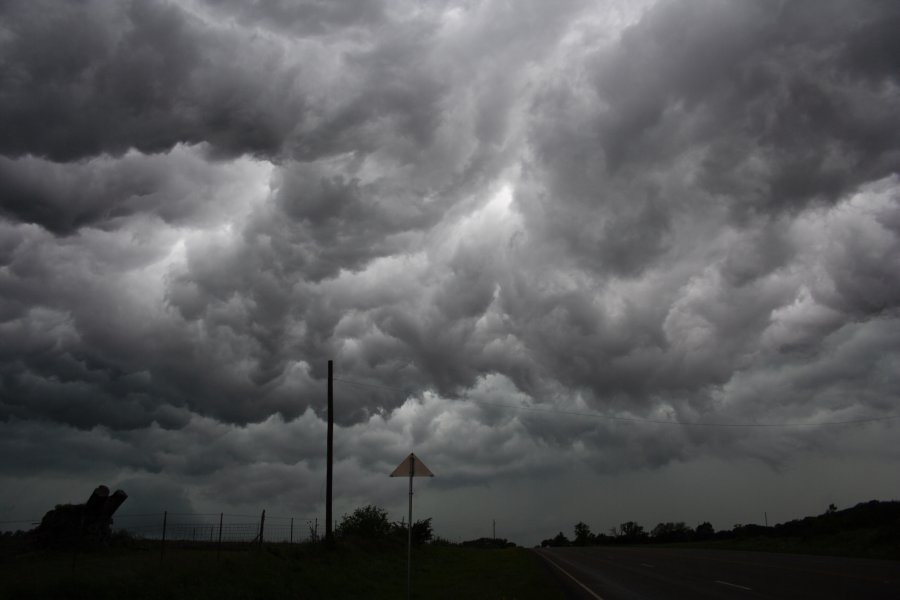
x=212, y=527
x=182, y=530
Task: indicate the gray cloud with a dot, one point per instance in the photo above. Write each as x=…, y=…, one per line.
x=180, y=188
x=138, y=75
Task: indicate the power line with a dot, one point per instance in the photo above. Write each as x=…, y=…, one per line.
x=596, y=415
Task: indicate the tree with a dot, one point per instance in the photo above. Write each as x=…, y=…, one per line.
x=704, y=531
x=671, y=532
x=366, y=522
x=558, y=540
x=583, y=535
x=630, y=532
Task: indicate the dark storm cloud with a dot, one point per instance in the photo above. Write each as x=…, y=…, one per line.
x=683, y=211
x=89, y=339
x=304, y=17
x=606, y=196
x=771, y=107
x=72, y=451
x=703, y=107
x=85, y=78
x=179, y=188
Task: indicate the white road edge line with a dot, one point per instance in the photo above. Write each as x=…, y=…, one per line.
x=570, y=576
x=735, y=585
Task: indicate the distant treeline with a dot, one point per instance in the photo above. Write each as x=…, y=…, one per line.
x=488, y=543
x=873, y=515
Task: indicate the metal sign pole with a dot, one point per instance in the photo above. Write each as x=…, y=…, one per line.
x=412, y=473
x=407, y=468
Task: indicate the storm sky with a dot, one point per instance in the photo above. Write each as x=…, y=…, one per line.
x=533, y=236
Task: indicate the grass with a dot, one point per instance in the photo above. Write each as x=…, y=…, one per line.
x=865, y=543
x=277, y=571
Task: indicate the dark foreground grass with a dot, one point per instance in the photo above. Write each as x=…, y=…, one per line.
x=866, y=543
x=278, y=571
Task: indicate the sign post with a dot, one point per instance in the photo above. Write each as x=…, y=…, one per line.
x=410, y=467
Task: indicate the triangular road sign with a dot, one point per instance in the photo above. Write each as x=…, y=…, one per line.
x=412, y=466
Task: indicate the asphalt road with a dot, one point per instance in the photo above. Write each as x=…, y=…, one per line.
x=610, y=573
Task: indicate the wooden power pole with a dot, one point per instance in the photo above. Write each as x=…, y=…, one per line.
x=330, y=452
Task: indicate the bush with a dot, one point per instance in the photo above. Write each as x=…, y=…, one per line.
x=421, y=531
x=371, y=523
x=368, y=522
x=558, y=541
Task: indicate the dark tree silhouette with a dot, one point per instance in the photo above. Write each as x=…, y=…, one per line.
x=704, y=531
x=630, y=532
x=559, y=540
x=671, y=532
x=365, y=522
x=371, y=522
x=874, y=525
x=421, y=531
x=583, y=535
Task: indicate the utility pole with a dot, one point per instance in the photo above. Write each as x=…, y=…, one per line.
x=330, y=456
x=495, y=528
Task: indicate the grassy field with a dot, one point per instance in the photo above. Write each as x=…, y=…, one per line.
x=278, y=571
x=858, y=543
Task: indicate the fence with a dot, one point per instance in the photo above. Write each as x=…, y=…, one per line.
x=198, y=530
x=213, y=527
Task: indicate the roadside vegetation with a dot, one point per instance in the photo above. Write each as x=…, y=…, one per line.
x=366, y=560
x=869, y=529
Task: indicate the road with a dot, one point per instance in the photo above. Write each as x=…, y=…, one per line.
x=611, y=573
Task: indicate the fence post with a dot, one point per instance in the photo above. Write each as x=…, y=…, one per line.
x=162, y=542
x=262, y=525
x=292, y=530
x=219, y=545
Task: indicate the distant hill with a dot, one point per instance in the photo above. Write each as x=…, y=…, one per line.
x=869, y=529
x=871, y=515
